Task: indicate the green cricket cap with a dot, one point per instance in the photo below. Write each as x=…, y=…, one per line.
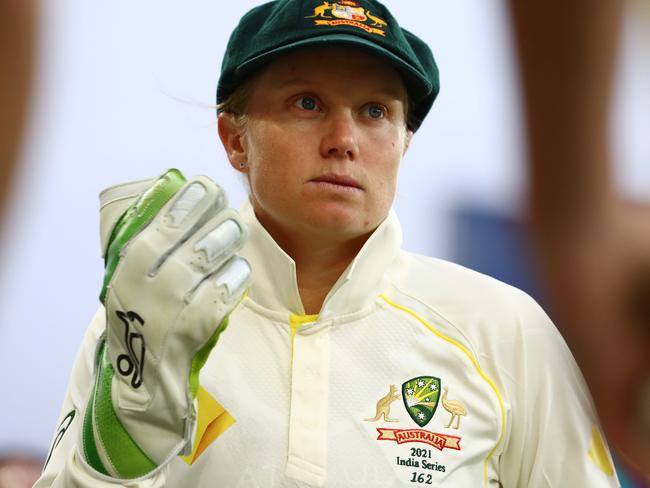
x=283, y=25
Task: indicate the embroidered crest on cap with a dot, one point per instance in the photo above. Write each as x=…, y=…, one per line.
x=347, y=12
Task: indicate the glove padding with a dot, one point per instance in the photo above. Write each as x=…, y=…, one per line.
x=172, y=278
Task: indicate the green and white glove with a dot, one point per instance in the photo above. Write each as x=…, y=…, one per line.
x=171, y=280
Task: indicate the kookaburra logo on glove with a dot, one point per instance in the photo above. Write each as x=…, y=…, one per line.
x=133, y=361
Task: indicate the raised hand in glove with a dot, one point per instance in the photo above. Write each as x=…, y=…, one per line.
x=171, y=280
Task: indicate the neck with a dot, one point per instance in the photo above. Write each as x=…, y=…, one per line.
x=318, y=268
x=320, y=261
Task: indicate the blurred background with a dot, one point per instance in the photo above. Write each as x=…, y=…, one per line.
x=124, y=90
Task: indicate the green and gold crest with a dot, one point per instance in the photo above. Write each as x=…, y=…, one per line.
x=421, y=396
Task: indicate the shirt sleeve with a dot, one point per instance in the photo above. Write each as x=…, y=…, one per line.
x=554, y=438
x=64, y=466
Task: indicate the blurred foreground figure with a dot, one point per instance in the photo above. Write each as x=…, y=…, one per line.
x=17, y=40
x=594, y=248
x=17, y=26
x=19, y=471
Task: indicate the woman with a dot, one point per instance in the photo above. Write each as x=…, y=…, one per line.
x=348, y=362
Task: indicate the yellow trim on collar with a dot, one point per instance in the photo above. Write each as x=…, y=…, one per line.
x=474, y=362
x=297, y=321
x=213, y=421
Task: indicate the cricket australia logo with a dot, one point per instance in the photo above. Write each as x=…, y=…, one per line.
x=421, y=396
x=132, y=363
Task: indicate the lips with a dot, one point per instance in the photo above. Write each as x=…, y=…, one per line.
x=340, y=180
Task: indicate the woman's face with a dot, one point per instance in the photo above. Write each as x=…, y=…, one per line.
x=324, y=135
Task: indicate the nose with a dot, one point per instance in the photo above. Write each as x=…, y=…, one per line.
x=340, y=137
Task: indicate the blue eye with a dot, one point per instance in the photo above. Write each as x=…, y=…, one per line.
x=375, y=111
x=306, y=103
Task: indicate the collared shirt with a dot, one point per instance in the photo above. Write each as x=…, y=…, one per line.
x=416, y=373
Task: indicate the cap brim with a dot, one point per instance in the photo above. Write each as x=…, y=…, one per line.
x=412, y=78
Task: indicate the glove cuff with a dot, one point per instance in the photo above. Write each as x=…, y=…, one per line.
x=107, y=447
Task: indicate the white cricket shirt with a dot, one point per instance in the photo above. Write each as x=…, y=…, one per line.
x=416, y=373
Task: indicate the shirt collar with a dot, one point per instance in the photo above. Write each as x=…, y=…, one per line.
x=274, y=283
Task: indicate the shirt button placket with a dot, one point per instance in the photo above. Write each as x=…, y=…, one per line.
x=308, y=417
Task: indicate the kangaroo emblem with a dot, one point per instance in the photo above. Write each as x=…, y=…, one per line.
x=377, y=21
x=320, y=11
x=383, y=406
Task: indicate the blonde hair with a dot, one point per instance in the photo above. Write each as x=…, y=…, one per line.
x=237, y=102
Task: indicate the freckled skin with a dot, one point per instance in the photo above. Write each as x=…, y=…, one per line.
x=286, y=147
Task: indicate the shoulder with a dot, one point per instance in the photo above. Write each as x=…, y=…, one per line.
x=491, y=318
x=505, y=329
x=454, y=290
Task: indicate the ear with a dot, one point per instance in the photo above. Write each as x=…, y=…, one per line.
x=231, y=134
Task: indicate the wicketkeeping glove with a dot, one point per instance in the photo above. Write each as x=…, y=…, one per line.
x=171, y=280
